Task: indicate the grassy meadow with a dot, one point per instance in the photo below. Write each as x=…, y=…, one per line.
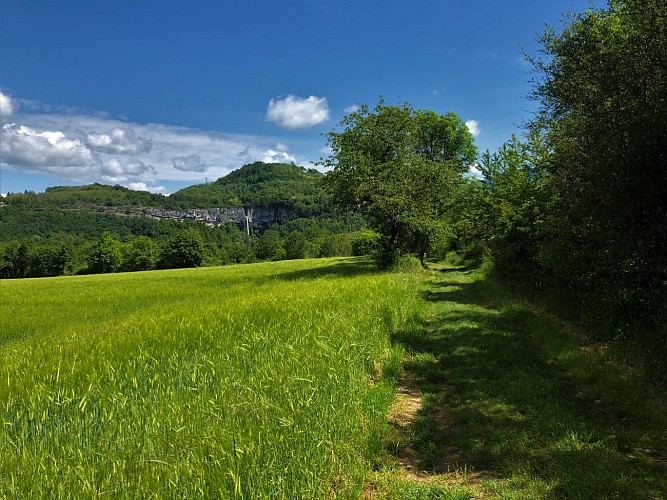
x=251, y=381
x=313, y=379
x=515, y=403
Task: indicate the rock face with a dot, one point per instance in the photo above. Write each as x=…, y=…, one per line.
x=253, y=218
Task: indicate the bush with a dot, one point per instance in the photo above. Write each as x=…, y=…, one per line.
x=405, y=263
x=365, y=243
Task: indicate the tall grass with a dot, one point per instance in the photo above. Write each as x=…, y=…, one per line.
x=517, y=404
x=257, y=381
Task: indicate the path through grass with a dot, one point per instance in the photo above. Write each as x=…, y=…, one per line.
x=512, y=405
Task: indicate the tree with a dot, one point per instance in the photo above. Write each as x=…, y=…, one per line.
x=47, y=260
x=14, y=260
x=603, y=88
x=269, y=246
x=139, y=254
x=397, y=165
x=105, y=254
x=295, y=245
x=185, y=249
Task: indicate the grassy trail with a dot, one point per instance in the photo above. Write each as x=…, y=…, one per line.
x=500, y=400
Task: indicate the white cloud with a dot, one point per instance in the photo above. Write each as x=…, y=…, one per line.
x=273, y=156
x=6, y=108
x=296, y=112
x=34, y=150
x=474, y=171
x=84, y=148
x=352, y=109
x=142, y=186
x=190, y=163
x=326, y=150
x=473, y=126
x=118, y=141
x=119, y=171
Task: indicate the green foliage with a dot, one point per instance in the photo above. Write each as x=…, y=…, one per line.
x=365, y=243
x=603, y=90
x=406, y=264
x=139, y=255
x=186, y=249
x=336, y=245
x=295, y=245
x=15, y=260
x=397, y=166
x=85, y=197
x=268, y=246
x=105, y=254
x=47, y=260
x=260, y=185
x=19, y=223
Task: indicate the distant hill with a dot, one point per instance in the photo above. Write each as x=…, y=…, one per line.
x=272, y=193
x=289, y=187
x=92, y=196
x=260, y=184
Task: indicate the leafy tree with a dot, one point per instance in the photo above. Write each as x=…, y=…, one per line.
x=365, y=243
x=186, y=249
x=14, y=260
x=295, y=245
x=105, y=254
x=269, y=246
x=47, y=260
x=603, y=88
x=139, y=254
x=397, y=166
x=336, y=245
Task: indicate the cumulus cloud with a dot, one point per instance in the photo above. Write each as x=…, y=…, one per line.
x=297, y=112
x=190, y=163
x=352, y=109
x=474, y=171
x=142, y=186
x=473, y=126
x=118, y=141
x=273, y=156
x=95, y=148
x=26, y=147
x=6, y=108
x=120, y=171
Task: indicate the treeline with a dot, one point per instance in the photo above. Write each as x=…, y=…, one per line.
x=254, y=185
x=184, y=245
x=579, y=206
x=18, y=223
x=85, y=197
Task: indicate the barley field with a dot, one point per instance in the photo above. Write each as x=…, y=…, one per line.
x=252, y=381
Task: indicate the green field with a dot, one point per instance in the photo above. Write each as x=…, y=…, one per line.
x=313, y=379
x=259, y=381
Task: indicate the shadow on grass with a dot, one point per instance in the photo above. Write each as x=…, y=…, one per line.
x=347, y=267
x=497, y=401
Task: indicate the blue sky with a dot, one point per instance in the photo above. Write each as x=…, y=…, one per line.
x=158, y=95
